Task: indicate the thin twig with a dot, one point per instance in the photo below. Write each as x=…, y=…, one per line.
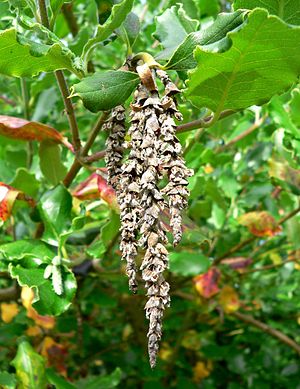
x=243, y=135
x=64, y=90
x=269, y=330
x=199, y=123
x=63, y=87
x=67, y=11
x=95, y=157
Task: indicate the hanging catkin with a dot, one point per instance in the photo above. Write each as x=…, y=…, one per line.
x=171, y=158
x=114, y=145
x=155, y=154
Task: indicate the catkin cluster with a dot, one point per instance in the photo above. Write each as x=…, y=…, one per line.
x=154, y=158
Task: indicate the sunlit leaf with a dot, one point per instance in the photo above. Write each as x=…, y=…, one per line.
x=252, y=69
x=29, y=58
x=260, y=223
x=30, y=367
x=287, y=10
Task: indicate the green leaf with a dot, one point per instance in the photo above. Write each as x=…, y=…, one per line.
x=26, y=182
x=187, y=263
x=24, y=57
x=30, y=367
x=208, y=7
x=105, y=90
x=55, y=6
x=212, y=37
x=287, y=10
x=58, y=381
x=263, y=60
x=103, y=382
x=295, y=107
x=172, y=27
x=7, y=381
x=116, y=18
x=30, y=272
x=55, y=209
x=108, y=233
x=281, y=117
x=51, y=162
x=17, y=250
x=129, y=30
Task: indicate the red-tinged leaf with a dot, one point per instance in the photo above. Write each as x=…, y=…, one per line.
x=260, y=223
x=207, y=284
x=22, y=129
x=8, y=196
x=96, y=186
x=237, y=263
x=55, y=354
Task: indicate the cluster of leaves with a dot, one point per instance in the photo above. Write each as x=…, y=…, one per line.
x=234, y=320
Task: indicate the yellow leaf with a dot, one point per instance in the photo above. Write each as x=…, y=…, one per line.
x=33, y=331
x=191, y=340
x=48, y=342
x=165, y=352
x=27, y=296
x=275, y=258
x=229, y=299
x=208, y=169
x=202, y=370
x=9, y=311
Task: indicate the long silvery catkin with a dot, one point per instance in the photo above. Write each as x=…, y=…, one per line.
x=155, y=152
x=171, y=158
x=153, y=237
x=114, y=145
x=129, y=196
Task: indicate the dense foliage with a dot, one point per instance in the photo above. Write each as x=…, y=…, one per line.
x=68, y=319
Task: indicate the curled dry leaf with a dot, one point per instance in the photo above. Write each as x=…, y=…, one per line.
x=96, y=186
x=8, y=196
x=260, y=223
x=21, y=129
x=207, y=284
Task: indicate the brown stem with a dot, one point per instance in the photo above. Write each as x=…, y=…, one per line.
x=95, y=157
x=63, y=86
x=267, y=329
x=10, y=294
x=67, y=11
x=201, y=122
x=76, y=166
x=253, y=238
x=43, y=13
x=64, y=90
